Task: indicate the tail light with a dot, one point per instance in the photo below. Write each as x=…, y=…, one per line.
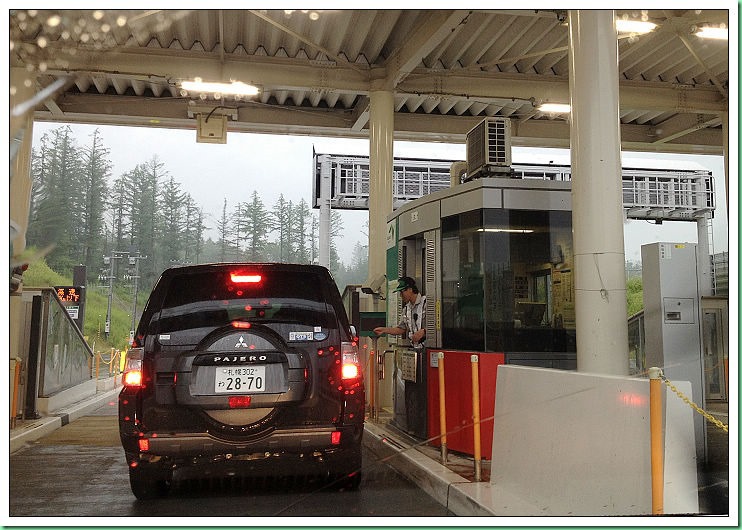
x=351, y=366
x=133, y=376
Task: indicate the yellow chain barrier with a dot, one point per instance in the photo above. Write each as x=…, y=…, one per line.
x=111, y=362
x=695, y=407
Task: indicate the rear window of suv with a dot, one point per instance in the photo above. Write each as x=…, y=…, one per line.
x=213, y=299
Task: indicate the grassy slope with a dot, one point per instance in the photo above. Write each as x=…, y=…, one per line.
x=40, y=275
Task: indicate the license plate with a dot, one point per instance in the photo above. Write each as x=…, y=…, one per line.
x=301, y=335
x=239, y=379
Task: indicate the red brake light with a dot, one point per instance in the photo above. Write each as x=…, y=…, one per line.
x=351, y=366
x=143, y=444
x=241, y=324
x=335, y=437
x=237, y=277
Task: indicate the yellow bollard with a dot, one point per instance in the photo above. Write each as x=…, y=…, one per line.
x=16, y=384
x=442, y=409
x=372, y=389
x=657, y=453
x=372, y=381
x=97, y=366
x=475, y=416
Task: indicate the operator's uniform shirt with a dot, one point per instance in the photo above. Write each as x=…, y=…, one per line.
x=413, y=319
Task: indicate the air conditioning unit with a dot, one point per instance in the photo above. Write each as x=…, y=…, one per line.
x=488, y=149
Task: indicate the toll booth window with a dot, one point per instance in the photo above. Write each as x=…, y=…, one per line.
x=507, y=281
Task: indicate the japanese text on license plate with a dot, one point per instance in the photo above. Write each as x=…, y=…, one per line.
x=240, y=379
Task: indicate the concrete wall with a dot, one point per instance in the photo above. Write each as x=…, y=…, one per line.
x=568, y=443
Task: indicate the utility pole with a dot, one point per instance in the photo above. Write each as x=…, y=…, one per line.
x=134, y=260
x=109, y=260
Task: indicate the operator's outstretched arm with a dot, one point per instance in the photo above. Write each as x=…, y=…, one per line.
x=389, y=330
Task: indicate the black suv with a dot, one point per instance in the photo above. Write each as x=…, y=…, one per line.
x=242, y=368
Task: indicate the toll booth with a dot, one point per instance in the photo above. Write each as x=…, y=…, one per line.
x=494, y=258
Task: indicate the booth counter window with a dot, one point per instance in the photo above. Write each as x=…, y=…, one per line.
x=507, y=281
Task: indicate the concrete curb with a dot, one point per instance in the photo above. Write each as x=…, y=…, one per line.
x=435, y=479
x=36, y=430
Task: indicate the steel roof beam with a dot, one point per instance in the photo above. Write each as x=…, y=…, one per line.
x=429, y=33
x=173, y=113
x=292, y=74
x=683, y=124
x=647, y=96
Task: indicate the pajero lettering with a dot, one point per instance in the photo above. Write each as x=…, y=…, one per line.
x=240, y=358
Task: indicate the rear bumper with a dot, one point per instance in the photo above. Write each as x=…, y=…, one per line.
x=284, y=453
x=298, y=441
x=203, y=443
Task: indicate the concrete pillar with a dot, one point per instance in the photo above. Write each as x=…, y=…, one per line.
x=725, y=139
x=21, y=132
x=381, y=166
x=597, y=202
x=703, y=256
x=325, y=188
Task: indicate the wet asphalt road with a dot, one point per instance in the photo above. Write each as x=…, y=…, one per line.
x=79, y=471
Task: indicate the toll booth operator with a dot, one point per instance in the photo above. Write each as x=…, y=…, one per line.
x=412, y=324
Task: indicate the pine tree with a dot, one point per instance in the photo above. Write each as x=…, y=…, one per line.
x=96, y=172
x=40, y=170
x=171, y=202
x=224, y=227
x=279, y=223
x=194, y=230
x=120, y=206
x=253, y=224
x=146, y=219
x=56, y=215
x=303, y=232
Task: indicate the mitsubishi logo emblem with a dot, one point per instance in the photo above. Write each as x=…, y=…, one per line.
x=241, y=343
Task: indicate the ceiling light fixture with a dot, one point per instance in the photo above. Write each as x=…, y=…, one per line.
x=634, y=26
x=236, y=88
x=708, y=32
x=556, y=108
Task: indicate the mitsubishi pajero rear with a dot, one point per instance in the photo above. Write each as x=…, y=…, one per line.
x=247, y=368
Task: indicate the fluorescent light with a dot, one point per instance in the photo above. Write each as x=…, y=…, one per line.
x=237, y=88
x=559, y=108
x=507, y=230
x=713, y=33
x=634, y=26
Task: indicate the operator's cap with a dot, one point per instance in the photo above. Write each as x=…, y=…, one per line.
x=403, y=283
